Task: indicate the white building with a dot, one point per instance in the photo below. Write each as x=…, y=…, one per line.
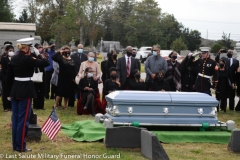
x=14, y=31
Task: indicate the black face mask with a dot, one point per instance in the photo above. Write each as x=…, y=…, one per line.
x=221, y=65
x=229, y=55
x=134, y=55
x=137, y=76
x=160, y=78
x=67, y=54
x=114, y=56
x=53, y=48
x=129, y=54
x=113, y=76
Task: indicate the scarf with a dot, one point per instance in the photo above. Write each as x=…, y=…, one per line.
x=176, y=74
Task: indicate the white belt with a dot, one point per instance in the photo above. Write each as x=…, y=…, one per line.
x=22, y=79
x=205, y=76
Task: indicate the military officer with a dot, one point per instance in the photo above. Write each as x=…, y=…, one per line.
x=207, y=71
x=21, y=90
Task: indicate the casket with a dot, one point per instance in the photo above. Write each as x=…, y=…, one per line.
x=148, y=108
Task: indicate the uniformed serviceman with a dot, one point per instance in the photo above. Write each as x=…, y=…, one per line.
x=21, y=90
x=207, y=70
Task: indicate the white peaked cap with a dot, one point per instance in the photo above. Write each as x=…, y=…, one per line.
x=26, y=41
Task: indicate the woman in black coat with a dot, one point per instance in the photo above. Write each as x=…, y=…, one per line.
x=4, y=62
x=188, y=75
x=38, y=102
x=136, y=83
x=88, y=87
x=224, y=85
x=111, y=62
x=66, y=76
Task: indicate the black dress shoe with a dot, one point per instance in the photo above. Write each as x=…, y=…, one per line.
x=25, y=150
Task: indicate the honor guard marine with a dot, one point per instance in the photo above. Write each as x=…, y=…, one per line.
x=207, y=71
x=20, y=90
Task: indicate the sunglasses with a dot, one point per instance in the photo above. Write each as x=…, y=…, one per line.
x=204, y=52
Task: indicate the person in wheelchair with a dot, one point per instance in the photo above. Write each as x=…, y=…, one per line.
x=88, y=88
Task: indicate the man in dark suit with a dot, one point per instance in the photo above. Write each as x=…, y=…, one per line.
x=134, y=53
x=77, y=58
x=233, y=65
x=125, y=66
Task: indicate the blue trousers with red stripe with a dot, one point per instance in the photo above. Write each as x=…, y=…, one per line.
x=21, y=109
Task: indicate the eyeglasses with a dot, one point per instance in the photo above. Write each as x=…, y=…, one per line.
x=155, y=50
x=203, y=52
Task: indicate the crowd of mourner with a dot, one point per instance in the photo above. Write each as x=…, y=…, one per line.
x=75, y=75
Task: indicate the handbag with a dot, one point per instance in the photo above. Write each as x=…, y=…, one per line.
x=37, y=77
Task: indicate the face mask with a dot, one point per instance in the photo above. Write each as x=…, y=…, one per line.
x=113, y=76
x=67, y=54
x=80, y=50
x=114, y=56
x=90, y=59
x=174, y=57
x=89, y=74
x=133, y=55
x=53, y=48
x=229, y=55
x=10, y=54
x=160, y=78
x=129, y=54
x=221, y=65
x=154, y=53
x=138, y=76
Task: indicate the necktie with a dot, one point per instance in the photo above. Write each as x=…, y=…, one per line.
x=79, y=56
x=128, y=67
x=229, y=62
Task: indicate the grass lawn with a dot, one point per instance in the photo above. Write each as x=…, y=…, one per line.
x=62, y=144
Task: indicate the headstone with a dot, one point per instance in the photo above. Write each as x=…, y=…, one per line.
x=234, y=143
x=151, y=147
x=123, y=137
x=98, y=117
x=34, y=130
x=230, y=125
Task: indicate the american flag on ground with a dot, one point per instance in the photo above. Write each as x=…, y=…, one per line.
x=52, y=126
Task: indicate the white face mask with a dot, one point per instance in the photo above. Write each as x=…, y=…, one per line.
x=90, y=74
x=10, y=54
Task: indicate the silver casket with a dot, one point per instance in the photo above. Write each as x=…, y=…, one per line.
x=147, y=108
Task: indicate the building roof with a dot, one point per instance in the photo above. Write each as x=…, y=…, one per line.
x=6, y=26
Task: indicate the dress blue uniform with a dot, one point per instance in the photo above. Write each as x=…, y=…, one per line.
x=21, y=90
x=207, y=71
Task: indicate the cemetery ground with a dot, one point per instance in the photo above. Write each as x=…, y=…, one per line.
x=62, y=145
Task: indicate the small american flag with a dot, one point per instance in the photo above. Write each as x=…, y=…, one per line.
x=52, y=126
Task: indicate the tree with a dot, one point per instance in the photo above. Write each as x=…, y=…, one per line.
x=115, y=20
x=192, y=38
x=6, y=14
x=178, y=45
x=171, y=29
x=226, y=42
x=23, y=17
x=216, y=47
x=142, y=26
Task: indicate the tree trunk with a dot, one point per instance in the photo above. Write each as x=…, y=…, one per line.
x=81, y=36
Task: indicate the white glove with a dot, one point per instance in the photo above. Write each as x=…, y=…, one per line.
x=9, y=98
x=36, y=51
x=195, y=54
